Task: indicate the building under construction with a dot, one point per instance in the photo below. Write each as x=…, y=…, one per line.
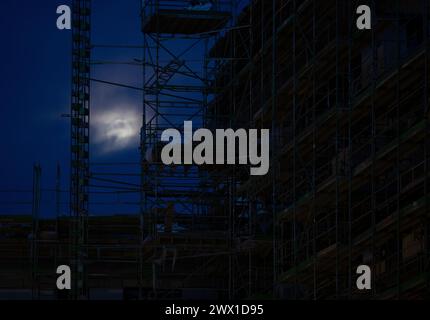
x=348, y=183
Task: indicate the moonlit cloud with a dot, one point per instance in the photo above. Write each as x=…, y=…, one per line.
x=116, y=129
x=116, y=112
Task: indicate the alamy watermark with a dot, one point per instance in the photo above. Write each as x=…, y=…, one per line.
x=227, y=146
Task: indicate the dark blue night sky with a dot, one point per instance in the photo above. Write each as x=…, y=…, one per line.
x=35, y=86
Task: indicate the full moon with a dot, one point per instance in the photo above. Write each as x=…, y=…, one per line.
x=117, y=129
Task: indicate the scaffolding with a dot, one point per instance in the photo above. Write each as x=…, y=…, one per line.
x=185, y=225
x=348, y=183
x=348, y=112
x=80, y=141
x=234, y=106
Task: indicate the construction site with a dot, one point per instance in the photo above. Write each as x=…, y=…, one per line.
x=348, y=185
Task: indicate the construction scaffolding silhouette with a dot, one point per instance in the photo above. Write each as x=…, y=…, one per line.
x=348, y=185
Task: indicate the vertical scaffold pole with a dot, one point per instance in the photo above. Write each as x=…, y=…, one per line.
x=80, y=138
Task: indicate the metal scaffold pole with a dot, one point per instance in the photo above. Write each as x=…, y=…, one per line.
x=80, y=142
